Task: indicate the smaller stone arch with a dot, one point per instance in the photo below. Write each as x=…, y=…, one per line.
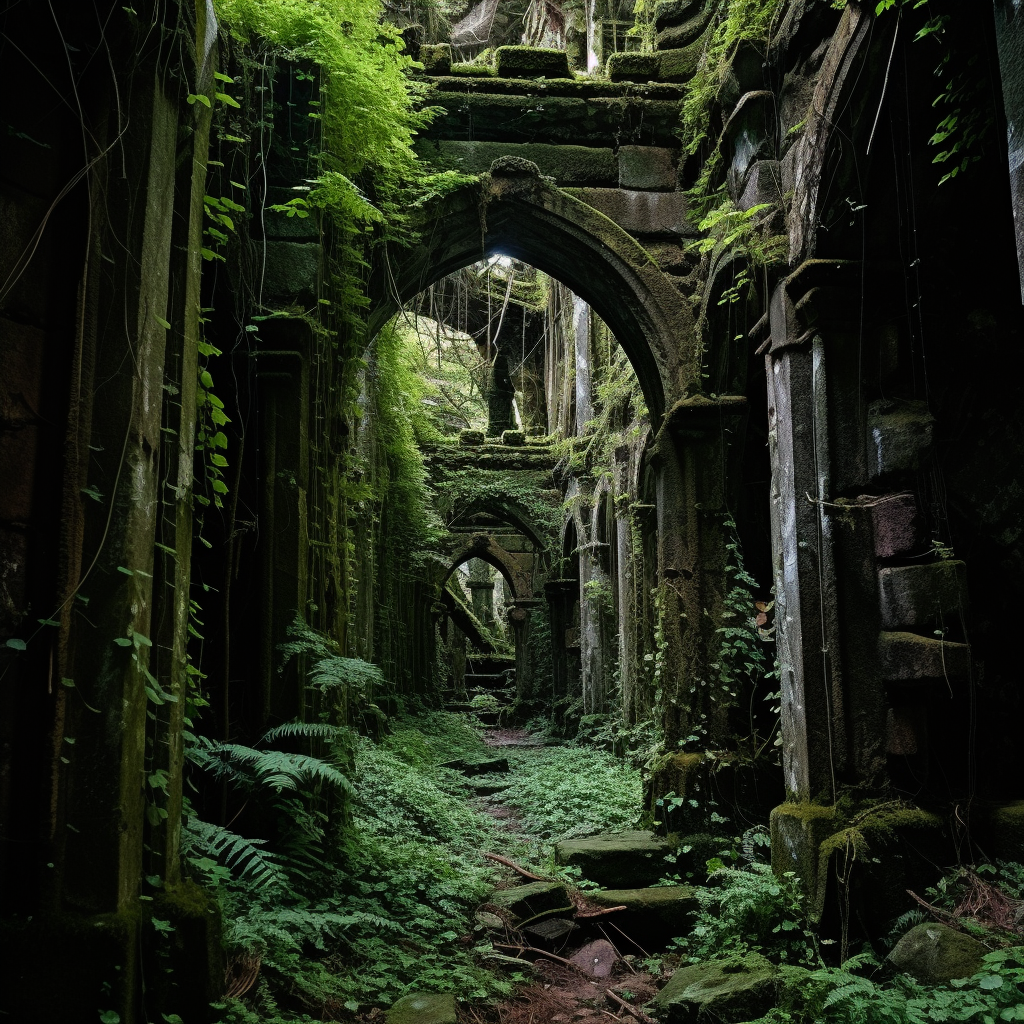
x=488, y=549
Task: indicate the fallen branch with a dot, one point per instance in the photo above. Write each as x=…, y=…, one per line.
x=599, y=913
x=933, y=910
x=639, y=1014
x=541, y=952
x=515, y=867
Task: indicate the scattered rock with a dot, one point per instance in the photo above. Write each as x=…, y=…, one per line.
x=737, y=988
x=617, y=860
x=596, y=958
x=489, y=920
x=936, y=954
x=525, y=903
x=652, y=916
x=423, y=1008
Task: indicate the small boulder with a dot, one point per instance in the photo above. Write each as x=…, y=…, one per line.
x=936, y=954
x=652, y=916
x=737, y=988
x=423, y=1008
x=596, y=958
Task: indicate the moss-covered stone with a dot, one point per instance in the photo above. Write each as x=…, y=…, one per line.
x=513, y=438
x=471, y=438
x=798, y=830
x=568, y=165
x=936, y=954
x=424, y=1008
x=1007, y=825
x=436, y=58
x=617, y=860
x=680, y=65
x=633, y=67
x=472, y=70
x=530, y=902
x=737, y=988
x=531, y=62
x=652, y=915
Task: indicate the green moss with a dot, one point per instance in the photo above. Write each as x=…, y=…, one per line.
x=568, y=164
x=1007, y=824
x=436, y=58
x=734, y=988
x=471, y=70
x=634, y=67
x=531, y=62
x=680, y=65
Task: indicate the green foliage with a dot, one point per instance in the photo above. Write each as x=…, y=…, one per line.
x=571, y=791
x=749, y=909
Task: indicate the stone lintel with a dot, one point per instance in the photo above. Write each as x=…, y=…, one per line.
x=918, y=595
x=695, y=417
x=642, y=214
x=909, y=657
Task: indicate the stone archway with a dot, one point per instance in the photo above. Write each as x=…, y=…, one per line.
x=515, y=212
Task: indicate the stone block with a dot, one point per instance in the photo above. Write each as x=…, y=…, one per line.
x=647, y=168
x=530, y=902
x=18, y=453
x=568, y=165
x=897, y=526
x=617, y=860
x=906, y=657
x=292, y=269
x=471, y=438
x=899, y=435
x=642, y=214
x=531, y=62
x=424, y=1008
x=906, y=730
x=920, y=595
x=680, y=65
x=469, y=69
x=652, y=915
x=935, y=954
x=1006, y=823
x=736, y=988
x=686, y=31
x=798, y=830
x=22, y=352
x=436, y=58
x=674, y=12
x=633, y=67
x=513, y=438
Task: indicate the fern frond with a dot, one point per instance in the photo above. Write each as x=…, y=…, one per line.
x=352, y=674
x=244, y=857
x=279, y=770
x=302, y=730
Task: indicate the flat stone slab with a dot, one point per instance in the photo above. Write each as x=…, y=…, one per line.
x=423, y=1008
x=528, y=902
x=734, y=989
x=617, y=859
x=668, y=903
x=597, y=958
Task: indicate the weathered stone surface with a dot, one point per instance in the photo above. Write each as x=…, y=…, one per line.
x=280, y=226
x=620, y=859
x=936, y=954
x=899, y=433
x=897, y=526
x=526, y=902
x=291, y=268
x=653, y=914
x=483, y=766
x=471, y=438
x=647, y=168
x=513, y=438
x=568, y=165
x=643, y=214
x=423, y=1008
x=917, y=595
x=531, y=62
x=680, y=65
x=551, y=930
x=763, y=185
x=733, y=989
x=908, y=656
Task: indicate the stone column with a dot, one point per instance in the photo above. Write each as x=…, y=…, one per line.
x=1010, y=40
x=561, y=595
x=519, y=618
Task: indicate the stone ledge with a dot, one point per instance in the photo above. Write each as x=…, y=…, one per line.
x=919, y=595
x=907, y=657
x=641, y=214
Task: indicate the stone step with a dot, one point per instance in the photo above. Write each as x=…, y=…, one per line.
x=653, y=915
x=524, y=904
x=618, y=860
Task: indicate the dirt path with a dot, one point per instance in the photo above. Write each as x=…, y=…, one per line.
x=583, y=968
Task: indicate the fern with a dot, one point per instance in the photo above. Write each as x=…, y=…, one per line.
x=304, y=730
x=244, y=857
x=277, y=770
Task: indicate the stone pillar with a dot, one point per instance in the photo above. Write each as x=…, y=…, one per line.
x=482, y=588
x=561, y=595
x=1010, y=41
x=689, y=460
x=500, y=393
x=519, y=618
x=595, y=642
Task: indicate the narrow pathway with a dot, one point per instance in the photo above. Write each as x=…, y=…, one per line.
x=582, y=968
